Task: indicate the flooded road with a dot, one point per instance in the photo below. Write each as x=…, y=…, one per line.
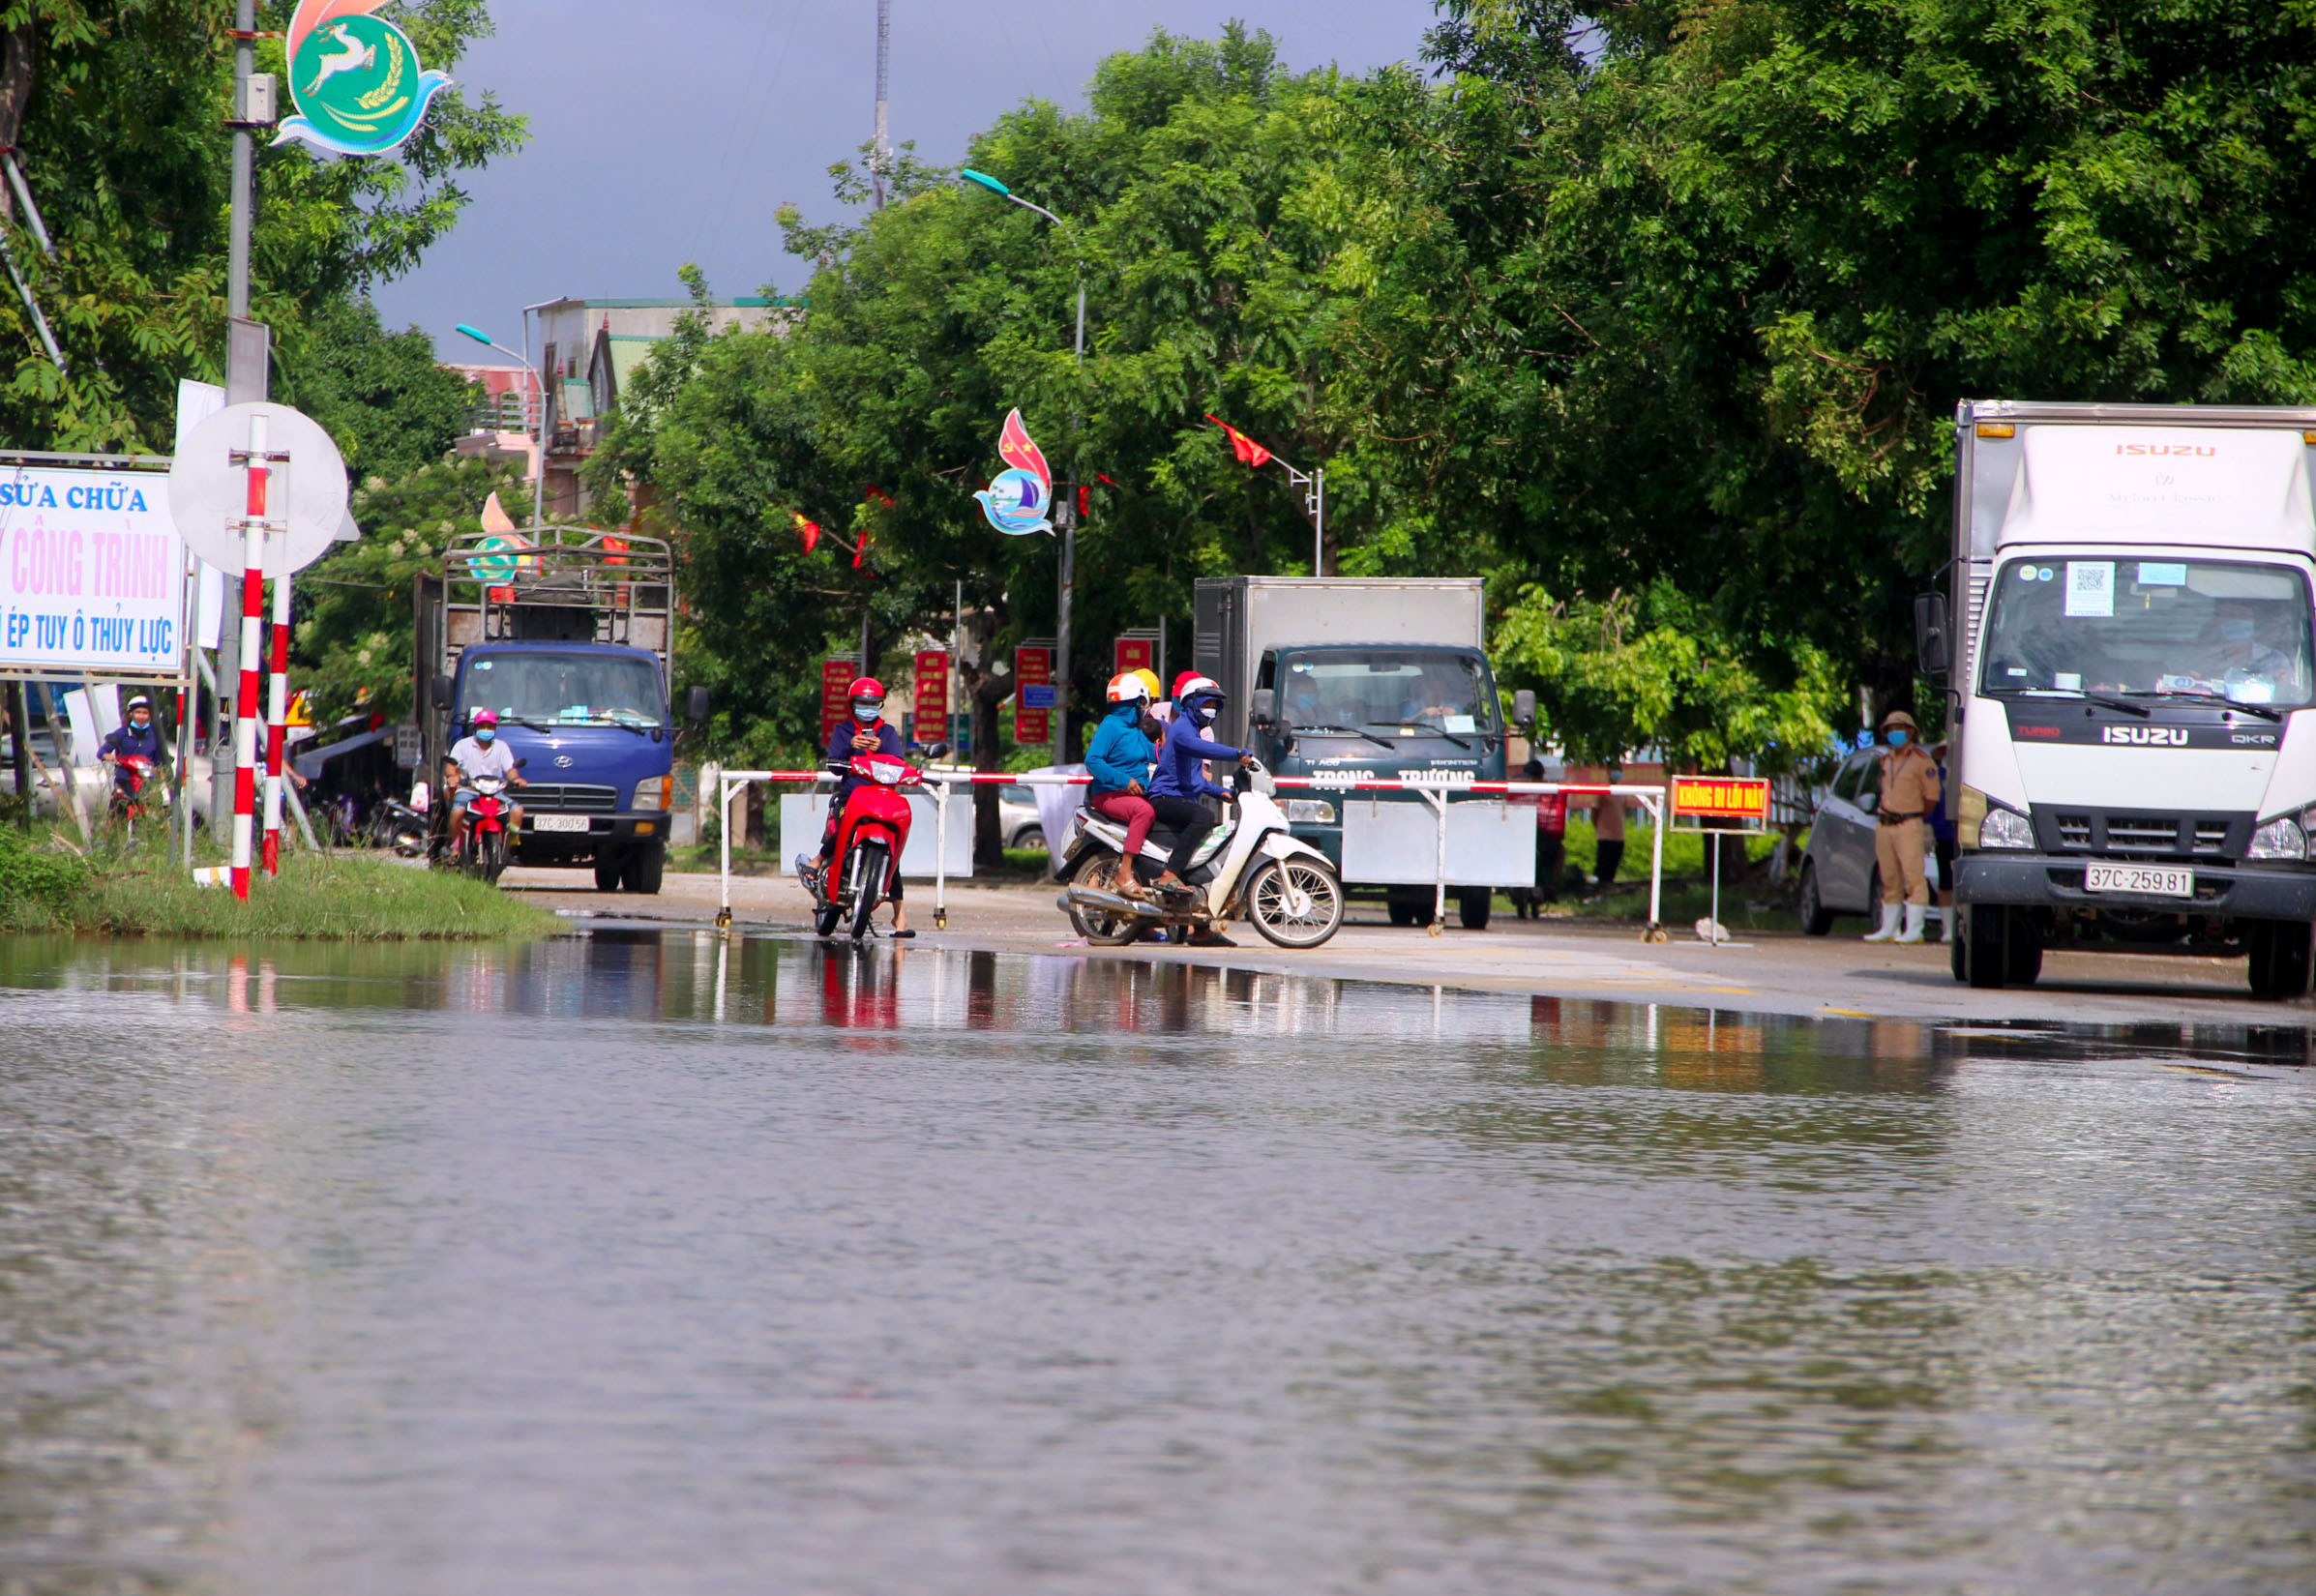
x=651, y=1262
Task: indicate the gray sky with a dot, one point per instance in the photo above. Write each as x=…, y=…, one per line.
x=670, y=131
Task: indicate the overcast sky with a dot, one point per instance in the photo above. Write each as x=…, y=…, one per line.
x=666, y=131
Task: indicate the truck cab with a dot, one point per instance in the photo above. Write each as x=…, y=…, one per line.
x=2134, y=676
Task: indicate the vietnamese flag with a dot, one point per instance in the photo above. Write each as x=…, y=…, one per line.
x=1245, y=447
x=809, y=530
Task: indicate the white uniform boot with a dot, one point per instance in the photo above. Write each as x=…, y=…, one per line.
x=1889, y=925
x=1915, y=914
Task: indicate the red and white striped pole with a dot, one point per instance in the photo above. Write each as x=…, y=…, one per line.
x=252, y=603
x=276, y=714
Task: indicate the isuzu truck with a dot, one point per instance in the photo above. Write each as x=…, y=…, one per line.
x=564, y=632
x=1345, y=679
x=2126, y=638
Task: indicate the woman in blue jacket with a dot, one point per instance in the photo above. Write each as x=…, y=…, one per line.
x=1180, y=791
x=1118, y=760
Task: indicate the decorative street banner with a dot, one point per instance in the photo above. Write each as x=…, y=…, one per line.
x=92, y=572
x=932, y=694
x=836, y=681
x=355, y=78
x=1741, y=798
x=1033, y=695
x=1016, y=501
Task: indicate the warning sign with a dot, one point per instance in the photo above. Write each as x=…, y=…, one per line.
x=1744, y=799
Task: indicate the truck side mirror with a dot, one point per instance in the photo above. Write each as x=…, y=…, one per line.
x=1264, y=707
x=441, y=691
x=1932, y=650
x=1523, y=706
x=695, y=705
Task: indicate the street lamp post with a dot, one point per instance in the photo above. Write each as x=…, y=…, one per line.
x=538, y=429
x=1069, y=500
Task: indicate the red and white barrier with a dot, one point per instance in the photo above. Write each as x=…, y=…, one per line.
x=254, y=528
x=1434, y=791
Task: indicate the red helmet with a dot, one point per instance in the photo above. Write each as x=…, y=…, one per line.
x=866, y=687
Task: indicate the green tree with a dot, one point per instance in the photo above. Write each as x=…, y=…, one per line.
x=117, y=112
x=383, y=396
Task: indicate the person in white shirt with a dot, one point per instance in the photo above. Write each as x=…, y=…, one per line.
x=479, y=753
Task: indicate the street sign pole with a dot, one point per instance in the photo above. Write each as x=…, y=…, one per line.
x=252, y=603
x=277, y=709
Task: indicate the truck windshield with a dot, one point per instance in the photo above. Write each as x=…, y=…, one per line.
x=566, y=689
x=2212, y=628
x=1372, y=689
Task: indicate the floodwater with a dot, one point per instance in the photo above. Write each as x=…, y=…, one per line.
x=652, y=1262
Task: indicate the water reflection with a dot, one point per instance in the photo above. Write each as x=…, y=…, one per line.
x=678, y=1263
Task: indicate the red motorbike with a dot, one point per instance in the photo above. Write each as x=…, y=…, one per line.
x=870, y=839
x=131, y=802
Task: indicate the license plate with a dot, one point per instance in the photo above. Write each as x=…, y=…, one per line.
x=558, y=822
x=2148, y=880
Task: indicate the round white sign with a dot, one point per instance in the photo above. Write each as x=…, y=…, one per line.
x=209, y=492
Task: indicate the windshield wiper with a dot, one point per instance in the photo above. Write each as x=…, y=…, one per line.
x=2070, y=694
x=1433, y=725
x=2264, y=711
x=1352, y=731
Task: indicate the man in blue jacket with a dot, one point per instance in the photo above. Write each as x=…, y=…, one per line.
x=1180, y=791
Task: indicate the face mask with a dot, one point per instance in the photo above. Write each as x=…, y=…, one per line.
x=1204, y=713
x=484, y=735
x=2235, y=632
x=867, y=716
x=1898, y=737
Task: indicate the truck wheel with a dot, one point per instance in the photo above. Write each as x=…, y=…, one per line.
x=1816, y=918
x=1473, y=905
x=2022, y=944
x=2281, y=961
x=608, y=868
x=1983, y=963
x=641, y=870
x=1405, y=911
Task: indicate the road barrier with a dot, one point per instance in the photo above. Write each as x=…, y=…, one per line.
x=1433, y=791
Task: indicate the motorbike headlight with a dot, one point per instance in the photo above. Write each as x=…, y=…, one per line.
x=2280, y=839
x=1310, y=812
x=887, y=773
x=656, y=792
x=2004, y=828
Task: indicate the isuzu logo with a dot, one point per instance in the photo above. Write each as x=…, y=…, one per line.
x=2155, y=736
x=2203, y=450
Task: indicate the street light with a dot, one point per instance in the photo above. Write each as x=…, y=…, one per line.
x=1069, y=502
x=538, y=432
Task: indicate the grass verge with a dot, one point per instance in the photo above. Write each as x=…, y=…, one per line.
x=342, y=898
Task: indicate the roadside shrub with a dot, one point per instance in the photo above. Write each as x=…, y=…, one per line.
x=37, y=888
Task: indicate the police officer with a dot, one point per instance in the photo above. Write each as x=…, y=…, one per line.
x=1910, y=790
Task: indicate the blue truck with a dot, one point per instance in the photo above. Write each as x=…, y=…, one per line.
x=566, y=633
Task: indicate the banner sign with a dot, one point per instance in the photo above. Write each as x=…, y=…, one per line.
x=356, y=80
x=1134, y=653
x=932, y=694
x=1032, y=668
x=1017, y=500
x=836, y=681
x=92, y=572
x=1741, y=798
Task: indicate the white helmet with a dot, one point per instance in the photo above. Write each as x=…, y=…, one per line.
x=1129, y=689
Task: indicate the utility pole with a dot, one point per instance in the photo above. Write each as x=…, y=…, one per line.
x=242, y=382
x=1065, y=750
x=880, y=154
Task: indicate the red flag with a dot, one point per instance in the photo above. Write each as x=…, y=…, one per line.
x=1244, y=447
x=873, y=491
x=810, y=530
x=861, y=552
x=1084, y=500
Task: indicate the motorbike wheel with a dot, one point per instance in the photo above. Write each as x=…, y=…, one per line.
x=1101, y=930
x=824, y=923
x=494, y=855
x=1294, y=903
x=869, y=861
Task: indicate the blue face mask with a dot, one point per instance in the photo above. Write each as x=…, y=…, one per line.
x=1898, y=737
x=484, y=735
x=867, y=716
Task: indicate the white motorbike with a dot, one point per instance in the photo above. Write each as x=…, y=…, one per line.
x=1251, y=865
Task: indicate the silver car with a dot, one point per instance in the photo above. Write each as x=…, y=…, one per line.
x=1838, y=872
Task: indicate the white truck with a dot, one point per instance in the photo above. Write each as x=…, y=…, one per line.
x=2126, y=638
x=1341, y=679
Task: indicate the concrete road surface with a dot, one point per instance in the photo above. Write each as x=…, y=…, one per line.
x=1776, y=973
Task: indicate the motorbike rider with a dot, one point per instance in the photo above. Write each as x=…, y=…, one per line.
x=1119, y=761
x=1179, y=791
x=867, y=731
x=136, y=738
x=481, y=754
